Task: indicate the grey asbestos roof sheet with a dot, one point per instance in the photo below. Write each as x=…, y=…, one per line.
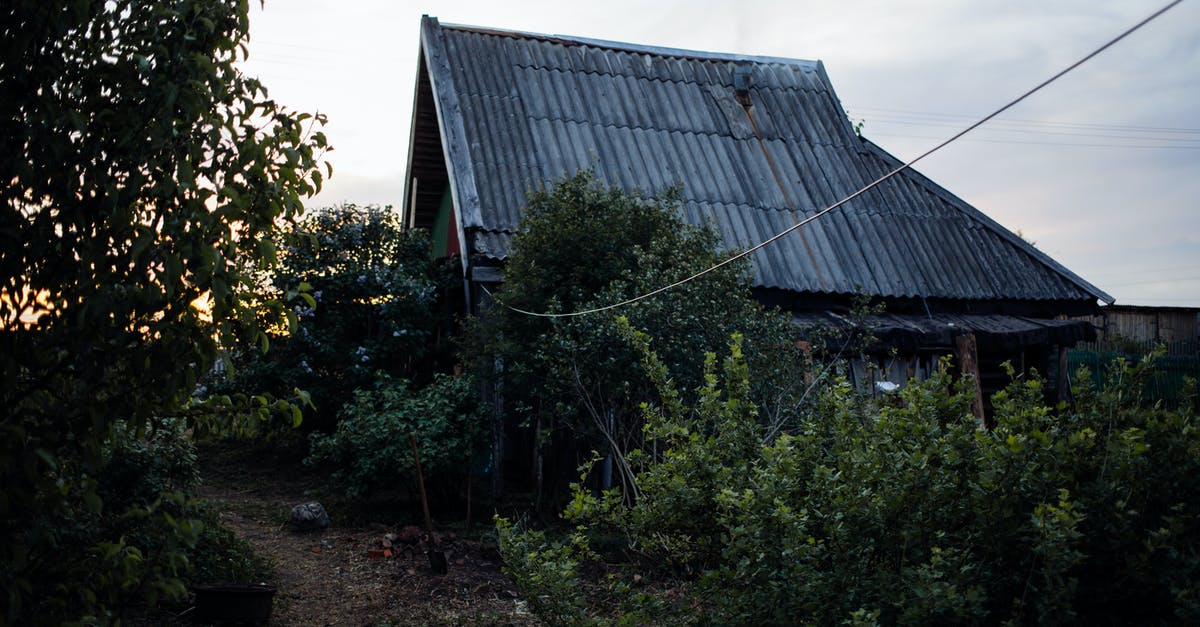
x=519, y=110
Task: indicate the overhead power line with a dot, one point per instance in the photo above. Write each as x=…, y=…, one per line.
x=902, y=113
x=800, y=224
x=1191, y=302
x=1188, y=279
x=1115, y=134
x=1123, y=268
x=1031, y=142
x=306, y=47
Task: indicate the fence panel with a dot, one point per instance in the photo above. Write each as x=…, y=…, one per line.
x=1165, y=384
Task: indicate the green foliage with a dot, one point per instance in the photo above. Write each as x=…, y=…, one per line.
x=916, y=513
x=221, y=556
x=138, y=468
x=141, y=171
x=546, y=573
x=858, y=125
x=155, y=472
x=672, y=522
x=143, y=484
x=147, y=539
x=1167, y=381
x=583, y=245
x=371, y=448
x=909, y=513
x=372, y=302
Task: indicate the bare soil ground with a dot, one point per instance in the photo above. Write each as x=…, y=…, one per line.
x=336, y=576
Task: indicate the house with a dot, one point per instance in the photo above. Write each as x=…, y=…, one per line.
x=757, y=143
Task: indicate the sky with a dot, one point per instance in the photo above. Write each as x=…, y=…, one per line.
x=1101, y=170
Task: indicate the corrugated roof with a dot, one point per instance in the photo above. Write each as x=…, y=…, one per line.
x=518, y=110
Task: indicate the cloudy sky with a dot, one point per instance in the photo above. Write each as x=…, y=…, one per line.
x=1101, y=170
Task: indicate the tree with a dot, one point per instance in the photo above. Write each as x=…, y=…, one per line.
x=575, y=380
x=376, y=304
x=141, y=171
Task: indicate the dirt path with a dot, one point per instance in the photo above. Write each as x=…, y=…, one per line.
x=336, y=576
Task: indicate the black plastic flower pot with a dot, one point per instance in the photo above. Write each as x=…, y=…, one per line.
x=242, y=602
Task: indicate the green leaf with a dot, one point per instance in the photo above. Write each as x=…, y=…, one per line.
x=266, y=251
x=92, y=501
x=304, y=396
x=47, y=457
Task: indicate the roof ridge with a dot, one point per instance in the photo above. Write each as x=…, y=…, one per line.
x=663, y=51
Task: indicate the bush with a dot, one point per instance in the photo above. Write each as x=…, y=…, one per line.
x=547, y=574
x=148, y=540
x=370, y=299
x=371, y=450
x=911, y=514
x=138, y=468
x=221, y=556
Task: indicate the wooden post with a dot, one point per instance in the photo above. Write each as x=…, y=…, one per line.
x=470, y=468
x=437, y=557
x=537, y=464
x=421, y=482
x=806, y=349
x=497, y=427
x=412, y=205
x=606, y=466
x=968, y=359
x=1064, y=375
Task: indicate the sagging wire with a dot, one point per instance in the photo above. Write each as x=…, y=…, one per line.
x=800, y=224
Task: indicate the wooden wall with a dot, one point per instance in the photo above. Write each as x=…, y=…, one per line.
x=1175, y=326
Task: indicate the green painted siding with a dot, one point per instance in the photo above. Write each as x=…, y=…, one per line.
x=443, y=225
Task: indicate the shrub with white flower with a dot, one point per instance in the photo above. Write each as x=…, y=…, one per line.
x=374, y=305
